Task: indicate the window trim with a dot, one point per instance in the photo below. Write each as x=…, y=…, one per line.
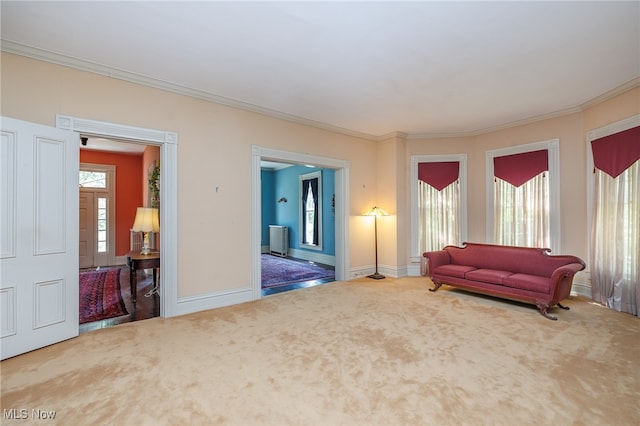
x=553, y=150
x=308, y=176
x=601, y=132
x=415, y=255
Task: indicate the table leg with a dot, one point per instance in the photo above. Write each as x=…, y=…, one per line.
x=133, y=280
x=155, y=278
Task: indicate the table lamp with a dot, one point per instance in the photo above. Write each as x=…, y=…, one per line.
x=146, y=221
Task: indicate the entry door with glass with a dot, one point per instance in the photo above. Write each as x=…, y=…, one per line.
x=97, y=215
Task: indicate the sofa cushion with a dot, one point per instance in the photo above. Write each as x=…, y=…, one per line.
x=528, y=282
x=453, y=270
x=492, y=276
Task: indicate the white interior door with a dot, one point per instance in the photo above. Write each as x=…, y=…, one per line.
x=38, y=236
x=87, y=229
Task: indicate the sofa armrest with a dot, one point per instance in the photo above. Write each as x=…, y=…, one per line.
x=566, y=271
x=561, y=281
x=435, y=259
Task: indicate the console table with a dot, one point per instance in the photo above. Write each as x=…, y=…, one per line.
x=137, y=261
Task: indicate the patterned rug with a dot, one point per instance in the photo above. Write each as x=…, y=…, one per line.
x=279, y=271
x=100, y=295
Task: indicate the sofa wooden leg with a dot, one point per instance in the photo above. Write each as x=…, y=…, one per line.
x=436, y=285
x=543, y=310
x=566, y=308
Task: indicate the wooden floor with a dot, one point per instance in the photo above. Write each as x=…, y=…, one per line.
x=146, y=307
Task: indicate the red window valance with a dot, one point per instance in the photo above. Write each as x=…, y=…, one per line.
x=439, y=175
x=615, y=153
x=520, y=168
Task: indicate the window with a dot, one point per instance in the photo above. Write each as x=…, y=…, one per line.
x=93, y=179
x=614, y=195
x=438, y=202
x=102, y=225
x=521, y=199
x=311, y=210
x=310, y=218
x=523, y=195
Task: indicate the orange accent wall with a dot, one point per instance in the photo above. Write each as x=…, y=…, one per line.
x=128, y=190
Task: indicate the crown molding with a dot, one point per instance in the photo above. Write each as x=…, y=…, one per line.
x=392, y=135
x=71, y=62
x=632, y=84
x=79, y=64
x=492, y=129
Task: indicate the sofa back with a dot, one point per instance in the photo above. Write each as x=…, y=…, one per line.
x=525, y=260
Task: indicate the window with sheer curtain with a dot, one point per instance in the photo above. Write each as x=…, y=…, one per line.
x=521, y=200
x=615, y=235
x=438, y=205
x=522, y=213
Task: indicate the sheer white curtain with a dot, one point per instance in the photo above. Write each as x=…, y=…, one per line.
x=615, y=245
x=521, y=214
x=438, y=216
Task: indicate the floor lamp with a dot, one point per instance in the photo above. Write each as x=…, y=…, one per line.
x=375, y=212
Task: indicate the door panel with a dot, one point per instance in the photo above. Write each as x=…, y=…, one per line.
x=87, y=235
x=49, y=196
x=39, y=259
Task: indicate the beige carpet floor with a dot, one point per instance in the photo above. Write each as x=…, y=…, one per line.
x=362, y=352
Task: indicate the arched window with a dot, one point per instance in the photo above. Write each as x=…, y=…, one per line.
x=310, y=210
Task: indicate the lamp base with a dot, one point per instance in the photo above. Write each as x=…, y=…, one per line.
x=376, y=276
x=145, y=243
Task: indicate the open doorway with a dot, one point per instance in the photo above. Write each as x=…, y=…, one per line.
x=168, y=143
x=116, y=177
x=298, y=226
x=340, y=205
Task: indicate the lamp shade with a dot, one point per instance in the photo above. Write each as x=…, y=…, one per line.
x=376, y=211
x=147, y=220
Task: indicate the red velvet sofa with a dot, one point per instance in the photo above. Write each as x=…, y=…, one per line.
x=523, y=274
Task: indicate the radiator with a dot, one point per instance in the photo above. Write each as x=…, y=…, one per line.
x=279, y=240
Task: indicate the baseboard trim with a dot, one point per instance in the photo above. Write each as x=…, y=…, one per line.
x=325, y=259
x=388, y=271
x=582, y=284
x=203, y=302
x=393, y=271
x=360, y=272
x=413, y=270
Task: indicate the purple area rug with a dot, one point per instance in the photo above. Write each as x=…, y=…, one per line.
x=278, y=271
x=100, y=296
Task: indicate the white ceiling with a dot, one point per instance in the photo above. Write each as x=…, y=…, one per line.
x=102, y=144
x=370, y=68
